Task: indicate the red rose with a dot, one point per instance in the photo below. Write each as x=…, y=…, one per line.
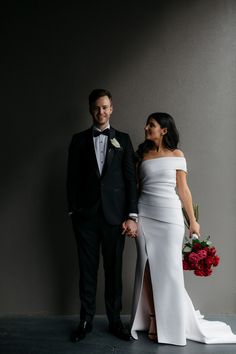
x=193, y=266
x=216, y=261
x=197, y=246
x=202, y=254
x=193, y=257
x=209, y=261
x=186, y=255
x=207, y=272
x=185, y=265
x=201, y=265
x=211, y=251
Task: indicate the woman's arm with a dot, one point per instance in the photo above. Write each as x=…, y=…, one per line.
x=186, y=199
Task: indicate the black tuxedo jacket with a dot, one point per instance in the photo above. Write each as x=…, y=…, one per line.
x=115, y=190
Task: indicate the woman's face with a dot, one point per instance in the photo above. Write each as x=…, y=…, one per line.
x=153, y=130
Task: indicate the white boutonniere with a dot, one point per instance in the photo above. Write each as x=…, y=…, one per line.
x=115, y=143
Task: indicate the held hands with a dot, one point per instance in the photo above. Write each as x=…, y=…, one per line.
x=129, y=228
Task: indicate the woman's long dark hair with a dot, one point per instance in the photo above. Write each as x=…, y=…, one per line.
x=170, y=139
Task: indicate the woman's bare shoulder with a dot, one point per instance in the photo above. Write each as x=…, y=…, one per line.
x=178, y=153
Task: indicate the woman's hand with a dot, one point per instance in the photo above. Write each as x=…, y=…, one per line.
x=194, y=228
x=129, y=228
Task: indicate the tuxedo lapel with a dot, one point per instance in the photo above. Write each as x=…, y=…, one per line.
x=110, y=151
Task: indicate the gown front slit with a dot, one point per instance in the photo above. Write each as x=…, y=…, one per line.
x=159, y=242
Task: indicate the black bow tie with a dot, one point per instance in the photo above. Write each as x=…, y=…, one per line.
x=103, y=132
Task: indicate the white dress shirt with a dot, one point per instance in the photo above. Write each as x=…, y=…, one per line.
x=100, y=146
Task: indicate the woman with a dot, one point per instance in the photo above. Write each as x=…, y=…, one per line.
x=161, y=304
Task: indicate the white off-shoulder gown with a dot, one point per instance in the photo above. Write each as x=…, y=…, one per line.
x=161, y=231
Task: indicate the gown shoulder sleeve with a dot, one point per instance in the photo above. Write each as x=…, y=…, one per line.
x=181, y=164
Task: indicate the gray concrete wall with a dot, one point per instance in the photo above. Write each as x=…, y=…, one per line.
x=174, y=56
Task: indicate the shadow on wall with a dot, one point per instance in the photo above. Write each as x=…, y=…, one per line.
x=52, y=56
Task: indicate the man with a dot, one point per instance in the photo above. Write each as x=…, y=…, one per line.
x=102, y=195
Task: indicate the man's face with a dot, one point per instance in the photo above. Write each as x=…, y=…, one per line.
x=101, y=111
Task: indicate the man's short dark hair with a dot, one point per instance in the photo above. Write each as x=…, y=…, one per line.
x=97, y=93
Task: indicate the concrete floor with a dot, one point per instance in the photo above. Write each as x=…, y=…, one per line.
x=50, y=335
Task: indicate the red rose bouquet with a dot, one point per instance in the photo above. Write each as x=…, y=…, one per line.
x=199, y=256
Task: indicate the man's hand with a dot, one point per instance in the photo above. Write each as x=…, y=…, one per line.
x=129, y=228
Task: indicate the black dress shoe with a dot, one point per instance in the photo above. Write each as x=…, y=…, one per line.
x=80, y=333
x=120, y=331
